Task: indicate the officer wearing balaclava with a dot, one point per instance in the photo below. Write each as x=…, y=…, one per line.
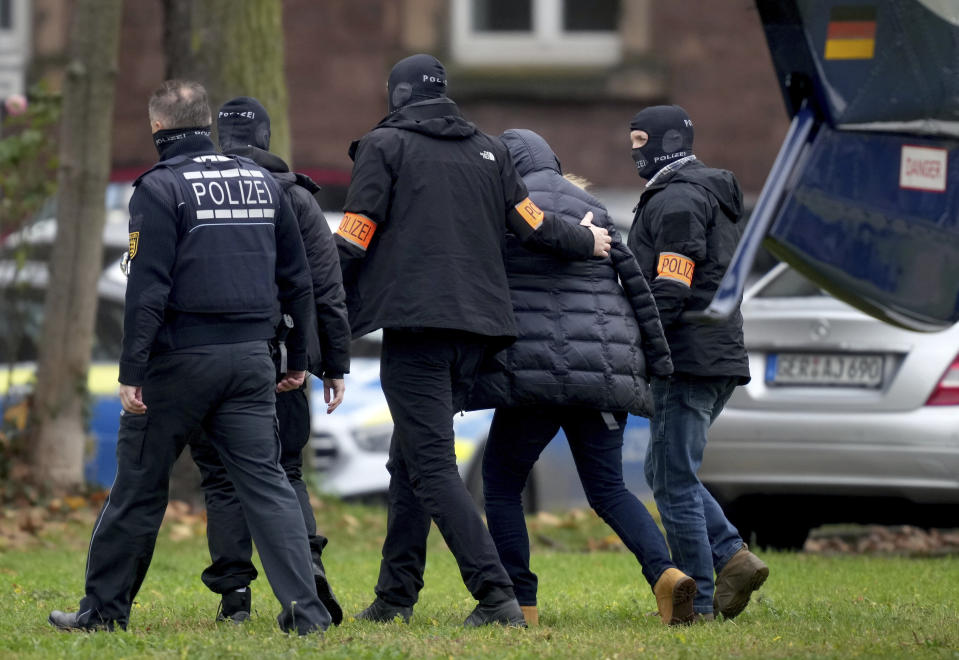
x=414, y=79
x=669, y=137
x=243, y=129
x=420, y=246
x=684, y=233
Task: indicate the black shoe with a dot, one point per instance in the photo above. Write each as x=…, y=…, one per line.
x=325, y=593
x=507, y=613
x=70, y=621
x=382, y=612
x=235, y=606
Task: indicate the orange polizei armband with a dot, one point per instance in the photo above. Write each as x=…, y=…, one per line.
x=357, y=229
x=530, y=212
x=673, y=266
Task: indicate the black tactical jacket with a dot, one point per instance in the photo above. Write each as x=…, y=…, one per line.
x=684, y=233
x=427, y=210
x=213, y=247
x=328, y=337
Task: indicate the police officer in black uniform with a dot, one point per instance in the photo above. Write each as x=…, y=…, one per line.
x=684, y=234
x=212, y=247
x=243, y=129
x=421, y=246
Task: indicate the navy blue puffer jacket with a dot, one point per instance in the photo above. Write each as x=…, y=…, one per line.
x=584, y=339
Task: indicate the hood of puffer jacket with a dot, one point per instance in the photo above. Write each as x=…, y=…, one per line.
x=530, y=152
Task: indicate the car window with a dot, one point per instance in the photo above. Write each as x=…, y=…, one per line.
x=787, y=283
x=35, y=240
x=21, y=326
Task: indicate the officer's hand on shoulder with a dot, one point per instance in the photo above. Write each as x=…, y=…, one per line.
x=291, y=380
x=601, y=239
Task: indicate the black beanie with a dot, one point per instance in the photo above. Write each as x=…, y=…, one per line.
x=243, y=122
x=415, y=78
x=670, y=133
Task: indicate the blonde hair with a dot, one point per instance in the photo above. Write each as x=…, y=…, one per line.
x=578, y=181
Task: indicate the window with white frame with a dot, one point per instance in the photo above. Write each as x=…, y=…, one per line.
x=6, y=14
x=14, y=45
x=538, y=32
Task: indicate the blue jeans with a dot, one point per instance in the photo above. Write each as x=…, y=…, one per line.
x=701, y=538
x=517, y=437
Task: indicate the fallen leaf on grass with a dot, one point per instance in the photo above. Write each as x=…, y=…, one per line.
x=32, y=520
x=548, y=519
x=74, y=502
x=180, y=532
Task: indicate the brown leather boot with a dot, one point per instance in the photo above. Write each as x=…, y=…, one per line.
x=743, y=574
x=675, y=592
x=531, y=615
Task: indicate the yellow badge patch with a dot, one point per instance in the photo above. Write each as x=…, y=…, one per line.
x=673, y=266
x=530, y=212
x=134, y=243
x=357, y=229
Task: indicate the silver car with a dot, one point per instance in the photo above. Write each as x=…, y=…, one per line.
x=846, y=419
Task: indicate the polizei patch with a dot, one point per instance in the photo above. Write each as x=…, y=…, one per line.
x=677, y=267
x=530, y=212
x=230, y=196
x=357, y=229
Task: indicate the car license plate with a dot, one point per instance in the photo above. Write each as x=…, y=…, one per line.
x=831, y=369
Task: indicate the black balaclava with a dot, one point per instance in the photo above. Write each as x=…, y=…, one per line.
x=415, y=78
x=670, y=133
x=243, y=122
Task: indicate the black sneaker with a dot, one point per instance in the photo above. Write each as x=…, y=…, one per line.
x=382, y=612
x=325, y=593
x=507, y=613
x=235, y=606
x=69, y=621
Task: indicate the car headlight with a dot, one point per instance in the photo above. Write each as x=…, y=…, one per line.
x=373, y=438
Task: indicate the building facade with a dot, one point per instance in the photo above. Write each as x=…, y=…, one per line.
x=571, y=70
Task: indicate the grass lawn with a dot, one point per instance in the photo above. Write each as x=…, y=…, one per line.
x=592, y=603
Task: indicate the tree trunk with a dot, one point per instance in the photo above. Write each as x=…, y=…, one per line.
x=60, y=398
x=233, y=48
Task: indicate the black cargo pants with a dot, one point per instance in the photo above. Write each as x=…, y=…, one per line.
x=228, y=535
x=426, y=377
x=228, y=390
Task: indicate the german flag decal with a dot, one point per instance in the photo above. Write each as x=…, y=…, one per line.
x=852, y=33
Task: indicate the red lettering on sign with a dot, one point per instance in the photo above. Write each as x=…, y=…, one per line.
x=929, y=169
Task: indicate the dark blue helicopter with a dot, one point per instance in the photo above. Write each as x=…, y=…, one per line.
x=863, y=197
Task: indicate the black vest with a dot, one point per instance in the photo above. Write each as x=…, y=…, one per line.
x=226, y=251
